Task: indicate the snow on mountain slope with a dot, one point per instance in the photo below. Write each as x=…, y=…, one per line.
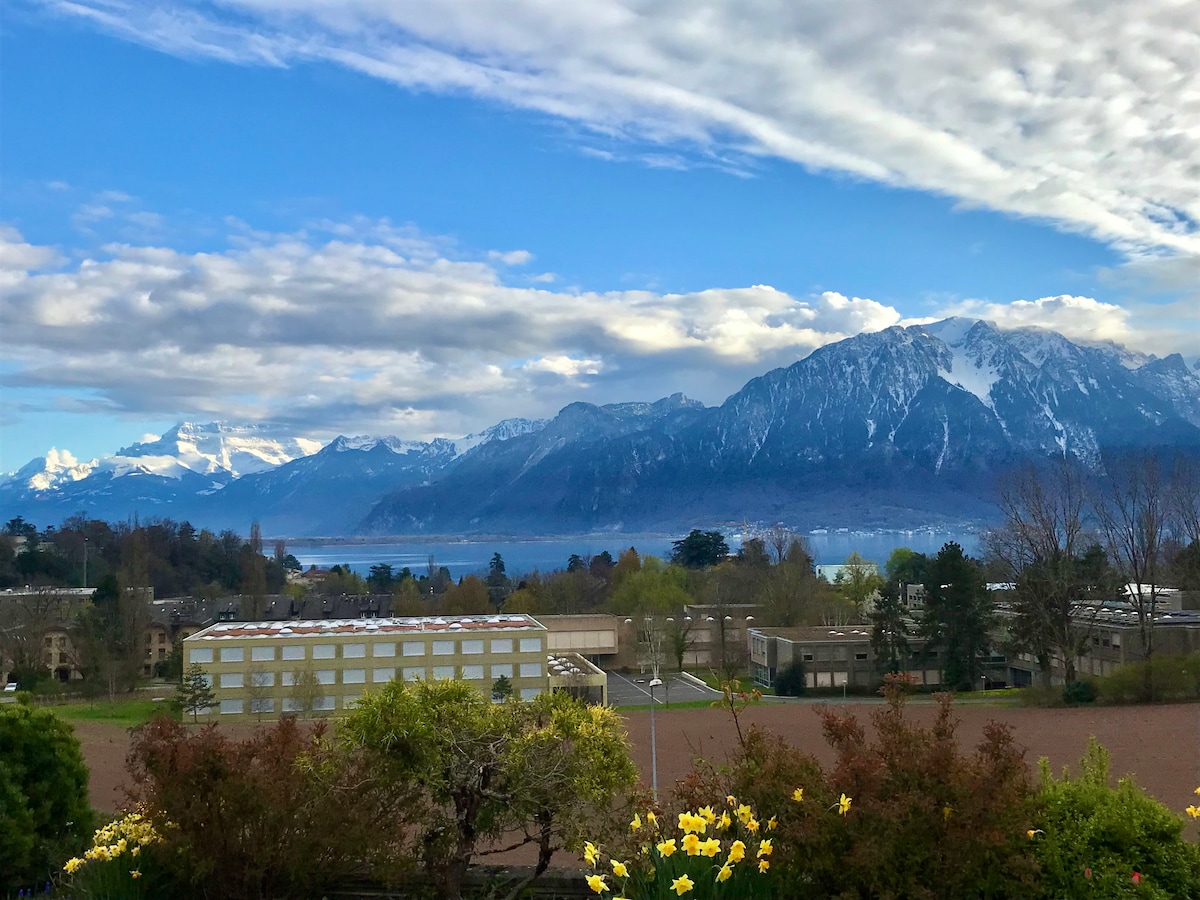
x=211, y=448
x=57, y=467
x=501, y=431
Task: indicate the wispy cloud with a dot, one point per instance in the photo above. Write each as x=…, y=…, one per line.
x=1083, y=114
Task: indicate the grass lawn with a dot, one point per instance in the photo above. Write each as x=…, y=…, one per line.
x=127, y=713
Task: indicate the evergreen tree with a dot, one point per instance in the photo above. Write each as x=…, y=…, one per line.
x=958, y=615
x=195, y=693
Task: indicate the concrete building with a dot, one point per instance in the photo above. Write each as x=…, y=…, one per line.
x=266, y=669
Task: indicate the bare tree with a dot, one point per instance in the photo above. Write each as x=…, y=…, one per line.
x=1132, y=505
x=1040, y=547
x=259, y=684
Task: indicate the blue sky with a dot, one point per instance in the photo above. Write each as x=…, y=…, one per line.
x=417, y=219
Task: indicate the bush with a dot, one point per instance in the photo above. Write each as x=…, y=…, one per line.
x=44, y=813
x=1081, y=691
x=1161, y=678
x=791, y=682
x=925, y=820
x=1090, y=838
x=283, y=813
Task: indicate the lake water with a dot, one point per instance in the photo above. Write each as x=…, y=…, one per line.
x=470, y=557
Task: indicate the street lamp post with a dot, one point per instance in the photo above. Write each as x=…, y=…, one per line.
x=654, y=682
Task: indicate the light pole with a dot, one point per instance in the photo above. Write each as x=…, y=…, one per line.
x=654, y=682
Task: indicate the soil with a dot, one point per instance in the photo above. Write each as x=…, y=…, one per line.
x=1158, y=745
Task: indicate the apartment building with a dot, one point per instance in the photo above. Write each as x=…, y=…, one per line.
x=266, y=669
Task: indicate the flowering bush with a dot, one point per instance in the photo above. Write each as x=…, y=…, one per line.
x=706, y=854
x=113, y=867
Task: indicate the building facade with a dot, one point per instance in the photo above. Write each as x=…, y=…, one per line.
x=323, y=667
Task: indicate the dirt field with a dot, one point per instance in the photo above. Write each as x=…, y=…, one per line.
x=1158, y=745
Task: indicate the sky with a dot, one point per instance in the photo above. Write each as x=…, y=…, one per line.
x=419, y=218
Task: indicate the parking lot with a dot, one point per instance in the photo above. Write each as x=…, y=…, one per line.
x=634, y=690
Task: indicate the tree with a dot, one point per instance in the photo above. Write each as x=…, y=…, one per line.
x=195, y=693
x=305, y=691
x=1133, y=507
x=548, y=769
x=498, y=586
x=700, y=549
x=380, y=578
x=889, y=634
x=259, y=684
x=502, y=689
x=791, y=682
x=44, y=809
x=108, y=633
x=1039, y=548
x=858, y=582
x=958, y=615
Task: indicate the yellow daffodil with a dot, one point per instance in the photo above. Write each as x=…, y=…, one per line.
x=666, y=848
x=724, y=872
x=134, y=873
x=725, y=821
x=707, y=814
x=590, y=853
x=620, y=869
x=737, y=851
x=636, y=823
x=946, y=810
x=596, y=883
x=73, y=865
x=691, y=845
x=798, y=795
x=772, y=823
x=682, y=885
x=1033, y=831
x=1196, y=792
x=764, y=848
x=711, y=847
x=763, y=865
x=744, y=813
x=732, y=801
x=1193, y=812
x=844, y=804
x=651, y=818
x=752, y=826
x=691, y=823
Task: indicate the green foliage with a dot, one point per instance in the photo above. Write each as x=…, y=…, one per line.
x=195, y=694
x=1089, y=838
x=502, y=688
x=958, y=615
x=1168, y=678
x=283, y=813
x=476, y=770
x=700, y=549
x=791, y=681
x=1077, y=692
x=44, y=811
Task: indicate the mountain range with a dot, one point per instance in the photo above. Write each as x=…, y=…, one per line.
x=902, y=428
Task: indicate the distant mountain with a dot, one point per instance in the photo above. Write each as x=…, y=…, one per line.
x=905, y=427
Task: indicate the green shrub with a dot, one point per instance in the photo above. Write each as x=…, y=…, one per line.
x=1089, y=838
x=44, y=813
x=791, y=681
x=1081, y=691
x=1161, y=678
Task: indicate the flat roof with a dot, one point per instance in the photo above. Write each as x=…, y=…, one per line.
x=807, y=634
x=316, y=628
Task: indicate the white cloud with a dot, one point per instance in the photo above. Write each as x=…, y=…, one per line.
x=366, y=322
x=511, y=258
x=1075, y=317
x=1086, y=114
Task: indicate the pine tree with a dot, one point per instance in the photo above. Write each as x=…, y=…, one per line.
x=195, y=693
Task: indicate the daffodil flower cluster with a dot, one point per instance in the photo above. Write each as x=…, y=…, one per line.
x=119, y=842
x=709, y=853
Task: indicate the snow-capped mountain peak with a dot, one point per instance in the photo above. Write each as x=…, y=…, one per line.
x=215, y=448
x=55, y=468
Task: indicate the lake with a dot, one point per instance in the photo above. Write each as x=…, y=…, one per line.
x=471, y=557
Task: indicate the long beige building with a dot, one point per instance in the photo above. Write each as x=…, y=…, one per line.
x=323, y=667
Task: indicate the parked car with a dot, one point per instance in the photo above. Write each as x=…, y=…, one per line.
x=10, y=688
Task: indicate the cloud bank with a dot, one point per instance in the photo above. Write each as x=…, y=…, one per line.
x=364, y=326
x=1086, y=114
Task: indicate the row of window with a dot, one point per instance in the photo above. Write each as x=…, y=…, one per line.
x=380, y=675
x=379, y=649
x=318, y=704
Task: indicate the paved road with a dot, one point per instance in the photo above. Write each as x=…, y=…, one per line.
x=634, y=690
